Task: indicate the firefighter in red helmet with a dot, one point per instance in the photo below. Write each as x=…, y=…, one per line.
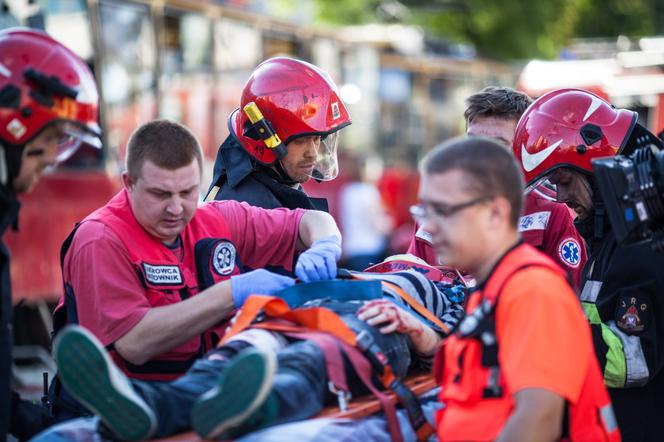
x=622, y=295
x=48, y=107
x=284, y=133
x=544, y=224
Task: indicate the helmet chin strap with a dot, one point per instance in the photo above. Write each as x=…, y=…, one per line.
x=281, y=175
x=599, y=210
x=10, y=163
x=593, y=227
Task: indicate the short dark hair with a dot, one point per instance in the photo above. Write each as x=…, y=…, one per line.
x=491, y=169
x=496, y=102
x=169, y=145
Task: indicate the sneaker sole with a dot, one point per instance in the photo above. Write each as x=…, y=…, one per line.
x=84, y=368
x=242, y=389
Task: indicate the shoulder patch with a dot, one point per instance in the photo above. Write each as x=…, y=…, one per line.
x=569, y=252
x=632, y=313
x=423, y=235
x=534, y=221
x=223, y=258
x=162, y=274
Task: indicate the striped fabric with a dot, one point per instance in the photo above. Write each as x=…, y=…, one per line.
x=422, y=290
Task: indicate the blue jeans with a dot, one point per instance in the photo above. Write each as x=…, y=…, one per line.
x=299, y=387
x=300, y=384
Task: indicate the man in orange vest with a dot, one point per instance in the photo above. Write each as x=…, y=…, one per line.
x=520, y=366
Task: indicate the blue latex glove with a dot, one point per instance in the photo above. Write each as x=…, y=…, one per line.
x=319, y=262
x=257, y=282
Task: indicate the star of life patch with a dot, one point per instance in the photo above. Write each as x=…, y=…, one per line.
x=223, y=258
x=569, y=252
x=534, y=221
x=162, y=275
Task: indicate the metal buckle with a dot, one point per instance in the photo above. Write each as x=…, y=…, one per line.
x=342, y=396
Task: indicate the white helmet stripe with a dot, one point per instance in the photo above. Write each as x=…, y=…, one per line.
x=531, y=161
x=4, y=71
x=594, y=105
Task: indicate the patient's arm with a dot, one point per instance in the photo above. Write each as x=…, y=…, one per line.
x=391, y=318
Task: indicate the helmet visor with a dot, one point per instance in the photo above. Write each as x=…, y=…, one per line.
x=72, y=137
x=540, y=184
x=326, y=166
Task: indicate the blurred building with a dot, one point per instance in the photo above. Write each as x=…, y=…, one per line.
x=628, y=73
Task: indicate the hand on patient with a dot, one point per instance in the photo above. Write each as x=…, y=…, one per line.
x=389, y=318
x=257, y=282
x=319, y=262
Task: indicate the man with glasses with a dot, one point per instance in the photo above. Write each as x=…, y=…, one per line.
x=546, y=225
x=504, y=374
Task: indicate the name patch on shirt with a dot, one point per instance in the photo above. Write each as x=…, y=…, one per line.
x=534, y=221
x=162, y=275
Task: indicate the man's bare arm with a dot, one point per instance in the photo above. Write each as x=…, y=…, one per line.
x=538, y=416
x=164, y=328
x=315, y=225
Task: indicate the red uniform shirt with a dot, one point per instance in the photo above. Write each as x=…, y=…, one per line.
x=545, y=224
x=110, y=296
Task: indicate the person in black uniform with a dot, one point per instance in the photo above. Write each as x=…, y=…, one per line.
x=48, y=106
x=284, y=133
x=623, y=286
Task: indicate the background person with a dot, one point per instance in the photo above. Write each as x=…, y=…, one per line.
x=545, y=224
x=48, y=107
x=364, y=222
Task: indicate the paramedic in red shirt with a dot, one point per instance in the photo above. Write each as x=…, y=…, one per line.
x=153, y=276
x=545, y=224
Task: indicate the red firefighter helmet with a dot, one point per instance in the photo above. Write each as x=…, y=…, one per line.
x=297, y=99
x=569, y=128
x=43, y=82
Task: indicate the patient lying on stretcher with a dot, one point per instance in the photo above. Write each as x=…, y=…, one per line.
x=265, y=375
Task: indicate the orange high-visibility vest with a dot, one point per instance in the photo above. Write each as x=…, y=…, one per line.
x=476, y=397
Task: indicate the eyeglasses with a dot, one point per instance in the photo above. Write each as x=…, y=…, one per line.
x=421, y=212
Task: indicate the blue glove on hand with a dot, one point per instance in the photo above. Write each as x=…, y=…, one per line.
x=319, y=262
x=257, y=282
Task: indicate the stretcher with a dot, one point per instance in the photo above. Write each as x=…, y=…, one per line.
x=361, y=408
x=362, y=418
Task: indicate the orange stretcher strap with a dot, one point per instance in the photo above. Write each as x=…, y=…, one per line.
x=314, y=318
x=419, y=308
